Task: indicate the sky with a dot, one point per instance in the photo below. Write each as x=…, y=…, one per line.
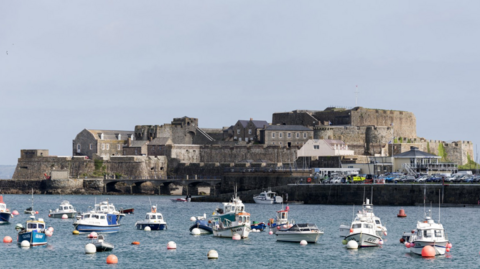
x=70, y=65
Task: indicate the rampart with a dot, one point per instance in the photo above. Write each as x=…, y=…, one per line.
x=255, y=153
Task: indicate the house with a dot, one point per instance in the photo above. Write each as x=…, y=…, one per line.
x=248, y=130
x=103, y=143
x=417, y=161
x=157, y=147
x=286, y=135
x=136, y=147
x=323, y=148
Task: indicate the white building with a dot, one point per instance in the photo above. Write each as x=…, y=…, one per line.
x=324, y=148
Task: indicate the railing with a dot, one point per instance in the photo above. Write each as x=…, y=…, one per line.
x=434, y=166
x=184, y=177
x=264, y=169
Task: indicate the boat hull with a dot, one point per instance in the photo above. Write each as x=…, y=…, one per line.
x=127, y=211
x=242, y=230
x=440, y=247
x=5, y=217
x=365, y=239
x=260, y=226
x=202, y=226
x=262, y=201
x=88, y=228
x=57, y=215
x=33, y=237
x=153, y=226
x=288, y=236
x=103, y=246
x=344, y=230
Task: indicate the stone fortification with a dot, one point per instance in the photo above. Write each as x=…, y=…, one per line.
x=254, y=153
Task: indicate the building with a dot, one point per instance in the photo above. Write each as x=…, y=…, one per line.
x=285, y=135
x=157, y=147
x=248, y=130
x=416, y=161
x=136, y=147
x=102, y=143
x=323, y=147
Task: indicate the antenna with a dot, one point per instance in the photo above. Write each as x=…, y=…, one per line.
x=438, y=206
x=424, y=197
x=353, y=212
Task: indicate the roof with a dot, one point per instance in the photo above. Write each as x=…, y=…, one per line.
x=111, y=134
x=414, y=152
x=137, y=143
x=257, y=123
x=287, y=128
x=332, y=142
x=160, y=141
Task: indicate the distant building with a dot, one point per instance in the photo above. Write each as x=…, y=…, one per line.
x=103, y=143
x=136, y=147
x=157, y=147
x=323, y=148
x=286, y=135
x=248, y=130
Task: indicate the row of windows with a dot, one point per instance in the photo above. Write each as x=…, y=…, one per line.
x=249, y=131
x=246, y=139
x=295, y=143
x=289, y=135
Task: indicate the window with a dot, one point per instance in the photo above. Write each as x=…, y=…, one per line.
x=118, y=146
x=246, y=139
x=103, y=146
x=238, y=131
x=108, y=146
x=289, y=135
x=136, y=152
x=273, y=135
x=304, y=135
x=438, y=233
x=249, y=131
x=78, y=146
x=316, y=147
x=427, y=233
x=239, y=139
x=280, y=135
x=102, y=217
x=235, y=138
x=273, y=143
x=297, y=135
x=91, y=146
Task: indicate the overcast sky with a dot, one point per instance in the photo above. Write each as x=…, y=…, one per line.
x=70, y=65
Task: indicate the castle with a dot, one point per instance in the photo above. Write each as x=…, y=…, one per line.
x=182, y=147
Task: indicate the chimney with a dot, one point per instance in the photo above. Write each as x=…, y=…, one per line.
x=129, y=141
x=251, y=119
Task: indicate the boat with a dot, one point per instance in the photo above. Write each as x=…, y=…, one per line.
x=258, y=226
x=298, y=232
x=29, y=211
x=101, y=245
x=281, y=219
x=367, y=211
x=97, y=222
x=5, y=213
x=127, y=210
x=363, y=231
x=182, y=200
x=108, y=208
x=33, y=232
x=153, y=219
x=65, y=208
x=232, y=219
x=202, y=224
x=268, y=197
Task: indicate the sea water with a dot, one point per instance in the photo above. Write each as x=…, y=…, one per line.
x=260, y=250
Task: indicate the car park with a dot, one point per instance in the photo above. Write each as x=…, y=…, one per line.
x=421, y=179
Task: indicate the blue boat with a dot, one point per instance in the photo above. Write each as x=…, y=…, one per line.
x=258, y=226
x=4, y=212
x=202, y=224
x=97, y=222
x=33, y=232
x=154, y=220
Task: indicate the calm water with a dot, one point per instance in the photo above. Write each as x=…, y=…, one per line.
x=65, y=250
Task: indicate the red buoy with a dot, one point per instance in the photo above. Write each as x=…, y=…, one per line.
x=402, y=214
x=428, y=251
x=112, y=259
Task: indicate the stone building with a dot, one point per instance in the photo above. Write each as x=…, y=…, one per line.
x=102, y=143
x=157, y=147
x=286, y=135
x=136, y=147
x=248, y=130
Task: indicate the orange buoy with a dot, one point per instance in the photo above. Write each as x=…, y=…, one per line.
x=428, y=251
x=351, y=230
x=112, y=259
x=7, y=239
x=135, y=243
x=402, y=214
x=448, y=250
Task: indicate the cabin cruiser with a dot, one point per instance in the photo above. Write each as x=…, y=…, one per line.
x=298, y=232
x=281, y=219
x=97, y=222
x=33, y=232
x=367, y=211
x=268, y=197
x=232, y=219
x=363, y=231
x=202, y=224
x=428, y=233
x=4, y=212
x=65, y=208
x=108, y=208
x=153, y=219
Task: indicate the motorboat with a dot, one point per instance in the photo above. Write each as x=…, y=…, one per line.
x=33, y=232
x=367, y=211
x=108, y=208
x=280, y=219
x=65, y=208
x=428, y=233
x=153, y=219
x=181, y=200
x=268, y=197
x=363, y=231
x=29, y=211
x=127, y=210
x=97, y=222
x=101, y=245
x=5, y=213
x=258, y=226
x=298, y=232
x=232, y=219
x=202, y=224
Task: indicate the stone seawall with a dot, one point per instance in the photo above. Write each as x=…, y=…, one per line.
x=68, y=186
x=401, y=195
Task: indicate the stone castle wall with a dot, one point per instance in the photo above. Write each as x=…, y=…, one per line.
x=256, y=153
x=404, y=123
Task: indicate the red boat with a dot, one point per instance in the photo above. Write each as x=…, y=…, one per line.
x=127, y=211
x=182, y=200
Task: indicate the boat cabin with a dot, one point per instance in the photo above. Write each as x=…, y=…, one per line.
x=65, y=207
x=429, y=230
x=104, y=207
x=154, y=216
x=93, y=216
x=3, y=207
x=282, y=215
x=304, y=227
x=35, y=225
x=243, y=218
x=231, y=208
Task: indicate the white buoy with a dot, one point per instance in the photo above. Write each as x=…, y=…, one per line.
x=147, y=229
x=270, y=232
x=303, y=243
x=48, y=233
x=352, y=244
x=64, y=216
x=196, y=231
x=25, y=244
x=90, y=248
x=236, y=237
x=193, y=219
x=254, y=230
x=212, y=254
x=171, y=245
x=50, y=229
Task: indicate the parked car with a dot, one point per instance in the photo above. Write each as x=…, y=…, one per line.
x=434, y=179
x=421, y=179
x=336, y=180
x=358, y=179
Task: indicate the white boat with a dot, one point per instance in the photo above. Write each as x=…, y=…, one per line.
x=428, y=233
x=108, y=208
x=298, y=232
x=268, y=197
x=153, y=219
x=101, y=245
x=232, y=219
x=363, y=231
x=65, y=208
x=367, y=211
x=5, y=213
x=280, y=220
x=97, y=222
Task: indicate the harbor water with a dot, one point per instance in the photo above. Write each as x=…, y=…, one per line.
x=260, y=250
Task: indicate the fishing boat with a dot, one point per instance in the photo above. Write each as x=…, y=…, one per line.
x=267, y=197
x=367, y=211
x=65, y=208
x=29, y=211
x=101, y=245
x=153, y=219
x=363, y=231
x=298, y=232
x=33, y=232
x=280, y=219
x=97, y=222
x=5, y=213
x=202, y=224
x=108, y=208
x=232, y=219
x=258, y=226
